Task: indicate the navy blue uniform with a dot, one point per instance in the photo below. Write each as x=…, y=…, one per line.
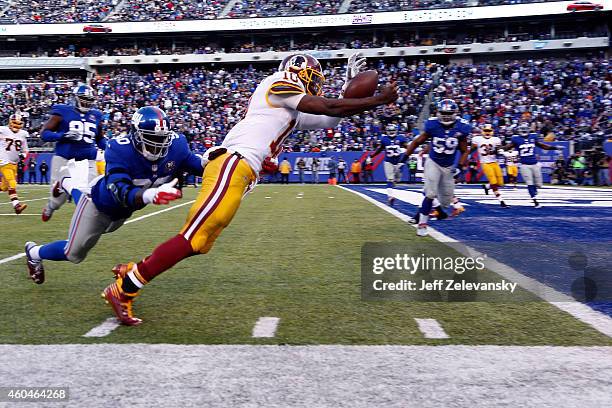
x=128, y=172
x=393, y=148
x=445, y=140
x=526, y=148
x=87, y=124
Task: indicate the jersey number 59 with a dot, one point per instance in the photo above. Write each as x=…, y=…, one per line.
x=443, y=145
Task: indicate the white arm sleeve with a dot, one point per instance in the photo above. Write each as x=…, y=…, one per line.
x=308, y=121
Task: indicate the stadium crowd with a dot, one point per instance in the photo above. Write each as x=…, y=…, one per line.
x=75, y=11
x=561, y=100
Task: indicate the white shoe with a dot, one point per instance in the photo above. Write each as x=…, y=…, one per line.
x=422, y=230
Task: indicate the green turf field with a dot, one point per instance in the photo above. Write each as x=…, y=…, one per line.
x=297, y=259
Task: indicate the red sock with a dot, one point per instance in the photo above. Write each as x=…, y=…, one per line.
x=164, y=257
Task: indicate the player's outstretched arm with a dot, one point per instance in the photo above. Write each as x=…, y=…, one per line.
x=49, y=133
x=318, y=105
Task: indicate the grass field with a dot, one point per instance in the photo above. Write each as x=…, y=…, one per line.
x=292, y=252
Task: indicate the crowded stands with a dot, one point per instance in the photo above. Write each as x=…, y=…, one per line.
x=75, y=11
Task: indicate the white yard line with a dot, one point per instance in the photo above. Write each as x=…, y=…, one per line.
x=103, y=329
x=431, y=329
x=142, y=217
x=27, y=201
x=580, y=311
x=265, y=327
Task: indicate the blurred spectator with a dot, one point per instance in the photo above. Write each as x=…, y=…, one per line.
x=32, y=171
x=314, y=169
x=341, y=170
x=285, y=170
x=356, y=170
x=44, y=169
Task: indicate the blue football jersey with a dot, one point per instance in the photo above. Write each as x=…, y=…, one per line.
x=445, y=140
x=127, y=172
x=526, y=148
x=393, y=148
x=84, y=123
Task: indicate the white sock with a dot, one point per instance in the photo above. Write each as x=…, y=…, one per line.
x=435, y=203
x=35, y=252
x=423, y=219
x=389, y=192
x=488, y=185
x=68, y=184
x=15, y=203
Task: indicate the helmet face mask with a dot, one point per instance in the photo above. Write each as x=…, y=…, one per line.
x=308, y=69
x=15, y=123
x=391, y=131
x=523, y=130
x=84, y=98
x=447, y=112
x=487, y=131
x=151, y=134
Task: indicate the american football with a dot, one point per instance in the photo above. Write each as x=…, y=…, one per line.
x=363, y=85
x=244, y=203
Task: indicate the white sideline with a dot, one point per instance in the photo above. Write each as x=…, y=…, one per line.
x=265, y=327
x=599, y=321
x=431, y=329
x=142, y=217
x=28, y=201
x=103, y=329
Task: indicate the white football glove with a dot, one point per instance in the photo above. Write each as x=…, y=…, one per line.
x=162, y=194
x=76, y=136
x=354, y=66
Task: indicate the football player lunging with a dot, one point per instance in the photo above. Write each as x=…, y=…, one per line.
x=446, y=134
x=141, y=169
x=394, y=146
x=13, y=144
x=286, y=100
x=76, y=130
x=488, y=148
x=531, y=170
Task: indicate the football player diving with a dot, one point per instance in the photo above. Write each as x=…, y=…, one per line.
x=13, y=146
x=286, y=100
x=77, y=132
x=141, y=169
x=446, y=134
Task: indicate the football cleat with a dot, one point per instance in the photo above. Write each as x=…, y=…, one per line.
x=47, y=213
x=486, y=189
x=441, y=214
x=19, y=208
x=422, y=230
x=503, y=204
x=121, y=303
x=536, y=204
x=120, y=270
x=35, y=267
x=390, y=201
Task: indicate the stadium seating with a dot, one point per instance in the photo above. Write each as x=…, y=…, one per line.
x=62, y=11
x=562, y=99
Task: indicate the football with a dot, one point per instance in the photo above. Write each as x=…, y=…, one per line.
x=363, y=85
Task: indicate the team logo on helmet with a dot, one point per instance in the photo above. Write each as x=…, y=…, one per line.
x=308, y=69
x=150, y=132
x=447, y=111
x=84, y=98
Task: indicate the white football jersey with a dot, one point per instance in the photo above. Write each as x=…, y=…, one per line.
x=12, y=145
x=271, y=117
x=512, y=158
x=487, y=148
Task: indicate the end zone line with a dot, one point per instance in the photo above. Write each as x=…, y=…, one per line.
x=103, y=329
x=142, y=217
x=265, y=327
x=599, y=321
x=431, y=329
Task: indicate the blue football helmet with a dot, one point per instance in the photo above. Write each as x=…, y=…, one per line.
x=391, y=130
x=84, y=98
x=150, y=132
x=447, y=111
